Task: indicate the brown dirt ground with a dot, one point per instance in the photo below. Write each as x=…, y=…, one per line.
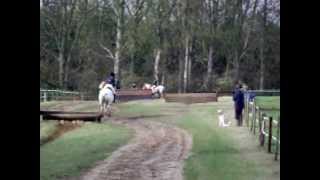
x=157, y=152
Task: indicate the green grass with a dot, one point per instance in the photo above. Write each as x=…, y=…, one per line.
x=80, y=149
x=214, y=153
x=50, y=104
x=139, y=108
x=46, y=129
x=268, y=101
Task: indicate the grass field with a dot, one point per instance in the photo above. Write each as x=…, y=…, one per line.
x=214, y=153
x=268, y=101
x=272, y=102
x=79, y=149
x=46, y=129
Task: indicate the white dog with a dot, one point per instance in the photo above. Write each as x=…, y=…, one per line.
x=222, y=120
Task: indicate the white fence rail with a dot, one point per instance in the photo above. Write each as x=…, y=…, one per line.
x=270, y=92
x=256, y=118
x=49, y=95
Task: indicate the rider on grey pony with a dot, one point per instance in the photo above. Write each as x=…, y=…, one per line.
x=111, y=80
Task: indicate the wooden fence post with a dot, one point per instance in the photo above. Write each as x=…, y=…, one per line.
x=270, y=135
x=45, y=96
x=248, y=113
x=251, y=111
x=246, y=110
x=278, y=138
x=254, y=118
x=262, y=122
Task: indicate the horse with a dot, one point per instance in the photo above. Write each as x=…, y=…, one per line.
x=158, y=90
x=106, y=97
x=146, y=86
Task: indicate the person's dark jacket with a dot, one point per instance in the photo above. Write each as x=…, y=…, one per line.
x=239, y=99
x=111, y=80
x=155, y=82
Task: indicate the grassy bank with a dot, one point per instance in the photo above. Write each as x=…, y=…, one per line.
x=272, y=102
x=215, y=154
x=268, y=101
x=46, y=129
x=80, y=149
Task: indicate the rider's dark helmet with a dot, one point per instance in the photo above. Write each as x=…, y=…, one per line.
x=112, y=74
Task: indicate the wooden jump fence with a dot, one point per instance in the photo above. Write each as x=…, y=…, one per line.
x=70, y=116
x=259, y=123
x=123, y=95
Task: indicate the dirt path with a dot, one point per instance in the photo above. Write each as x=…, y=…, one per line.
x=157, y=152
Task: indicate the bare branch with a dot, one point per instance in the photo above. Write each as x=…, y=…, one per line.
x=140, y=6
x=116, y=12
x=109, y=53
x=128, y=8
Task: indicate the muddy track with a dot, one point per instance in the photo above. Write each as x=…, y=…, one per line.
x=157, y=152
x=60, y=130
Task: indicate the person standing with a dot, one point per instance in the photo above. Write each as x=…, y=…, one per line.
x=239, y=104
x=234, y=98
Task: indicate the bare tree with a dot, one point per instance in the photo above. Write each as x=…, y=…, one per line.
x=63, y=24
x=262, y=44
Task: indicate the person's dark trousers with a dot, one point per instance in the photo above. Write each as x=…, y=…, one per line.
x=239, y=115
x=235, y=111
x=240, y=120
x=114, y=98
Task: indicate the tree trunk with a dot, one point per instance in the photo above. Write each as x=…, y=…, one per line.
x=163, y=79
x=61, y=69
x=189, y=68
x=66, y=71
x=236, y=67
x=262, y=41
x=209, y=69
x=66, y=75
x=180, y=74
x=156, y=65
x=118, y=41
x=226, y=74
x=132, y=65
x=261, y=83
x=185, y=72
x=189, y=73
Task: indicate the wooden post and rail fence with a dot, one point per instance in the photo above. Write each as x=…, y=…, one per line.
x=49, y=95
x=267, y=127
